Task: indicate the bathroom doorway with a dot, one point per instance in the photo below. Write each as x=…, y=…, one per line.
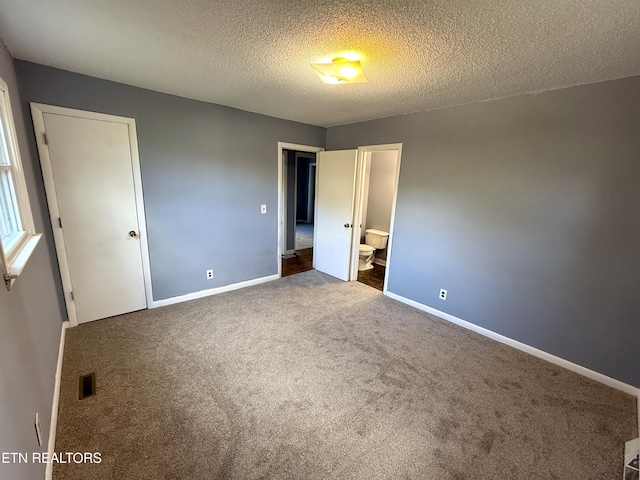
x=343, y=208
x=376, y=192
x=297, y=207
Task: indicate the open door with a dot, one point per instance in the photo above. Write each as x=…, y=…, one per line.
x=335, y=195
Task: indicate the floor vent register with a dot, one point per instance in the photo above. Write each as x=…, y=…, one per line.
x=87, y=386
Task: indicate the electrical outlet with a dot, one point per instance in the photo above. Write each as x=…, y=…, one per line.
x=443, y=294
x=36, y=424
x=263, y=209
x=209, y=274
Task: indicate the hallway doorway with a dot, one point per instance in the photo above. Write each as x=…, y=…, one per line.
x=297, y=207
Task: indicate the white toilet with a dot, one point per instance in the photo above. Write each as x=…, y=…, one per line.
x=375, y=240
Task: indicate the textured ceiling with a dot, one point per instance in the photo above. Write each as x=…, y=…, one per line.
x=417, y=55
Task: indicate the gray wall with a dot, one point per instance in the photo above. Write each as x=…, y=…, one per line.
x=206, y=169
x=527, y=211
x=31, y=317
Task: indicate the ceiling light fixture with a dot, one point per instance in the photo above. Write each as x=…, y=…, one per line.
x=340, y=70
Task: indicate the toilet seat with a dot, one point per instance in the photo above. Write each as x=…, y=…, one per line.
x=363, y=248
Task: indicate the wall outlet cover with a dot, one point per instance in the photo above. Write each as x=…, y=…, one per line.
x=443, y=294
x=209, y=274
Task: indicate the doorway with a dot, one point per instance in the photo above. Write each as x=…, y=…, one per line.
x=339, y=220
x=300, y=212
x=296, y=226
x=302, y=204
x=342, y=199
x=379, y=197
x=377, y=203
x=91, y=172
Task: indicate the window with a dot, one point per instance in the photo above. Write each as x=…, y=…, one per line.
x=17, y=233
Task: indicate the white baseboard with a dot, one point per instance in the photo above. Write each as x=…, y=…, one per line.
x=599, y=377
x=380, y=261
x=212, y=291
x=48, y=473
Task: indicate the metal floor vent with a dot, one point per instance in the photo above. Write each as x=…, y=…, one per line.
x=87, y=386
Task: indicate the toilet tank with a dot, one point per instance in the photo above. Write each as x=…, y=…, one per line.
x=376, y=238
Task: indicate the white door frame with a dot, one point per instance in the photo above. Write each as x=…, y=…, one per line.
x=360, y=172
x=37, y=112
x=282, y=192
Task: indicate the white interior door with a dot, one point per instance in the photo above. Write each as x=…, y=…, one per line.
x=93, y=186
x=335, y=194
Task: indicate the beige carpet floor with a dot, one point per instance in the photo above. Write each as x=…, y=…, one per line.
x=307, y=377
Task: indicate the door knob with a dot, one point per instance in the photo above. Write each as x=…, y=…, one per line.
x=133, y=234
x=346, y=225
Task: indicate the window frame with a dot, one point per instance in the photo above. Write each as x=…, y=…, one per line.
x=14, y=259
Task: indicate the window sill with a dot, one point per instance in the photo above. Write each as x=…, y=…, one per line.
x=19, y=261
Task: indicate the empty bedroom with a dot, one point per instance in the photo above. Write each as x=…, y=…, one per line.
x=306, y=240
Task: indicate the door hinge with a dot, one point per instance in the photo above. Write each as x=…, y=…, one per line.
x=45, y=138
x=73, y=297
x=60, y=222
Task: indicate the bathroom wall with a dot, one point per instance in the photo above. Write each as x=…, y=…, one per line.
x=365, y=197
x=382, y=179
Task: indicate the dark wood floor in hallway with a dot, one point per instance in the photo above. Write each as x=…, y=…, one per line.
x=301, y=262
